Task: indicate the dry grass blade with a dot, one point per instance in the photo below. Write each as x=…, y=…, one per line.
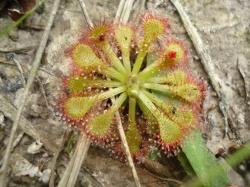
x=123, y=11
x=56, y=155
x=31, y=78
x=126, y=147
x=70, y=175
x=119, y=11
x=18, y=50
x=85, y=13
x=126, y=11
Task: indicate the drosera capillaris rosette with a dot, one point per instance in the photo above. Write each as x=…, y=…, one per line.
x=112, y=60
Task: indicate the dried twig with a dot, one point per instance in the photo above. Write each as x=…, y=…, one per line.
x=205, y=61
x=27, y=87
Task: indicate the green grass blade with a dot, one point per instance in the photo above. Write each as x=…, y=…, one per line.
x=202, y=161
x=239, y=155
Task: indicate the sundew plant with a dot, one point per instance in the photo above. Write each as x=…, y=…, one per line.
x=142, y=72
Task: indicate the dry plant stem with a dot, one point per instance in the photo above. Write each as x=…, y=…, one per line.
x=18, y=50
x=205, y=59
x=85, y=13
x=82, y=150
x=119, y=11
x=56, y=155
x=17, y=140
x=20, y=69
x=126, y=147
x=127, y=10
x=28, y=85
x=70, y=175
x=52, y=175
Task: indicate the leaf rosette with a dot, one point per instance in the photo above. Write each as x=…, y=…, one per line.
x=145, y=69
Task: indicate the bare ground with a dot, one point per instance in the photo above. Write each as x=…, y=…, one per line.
x=225, y=30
